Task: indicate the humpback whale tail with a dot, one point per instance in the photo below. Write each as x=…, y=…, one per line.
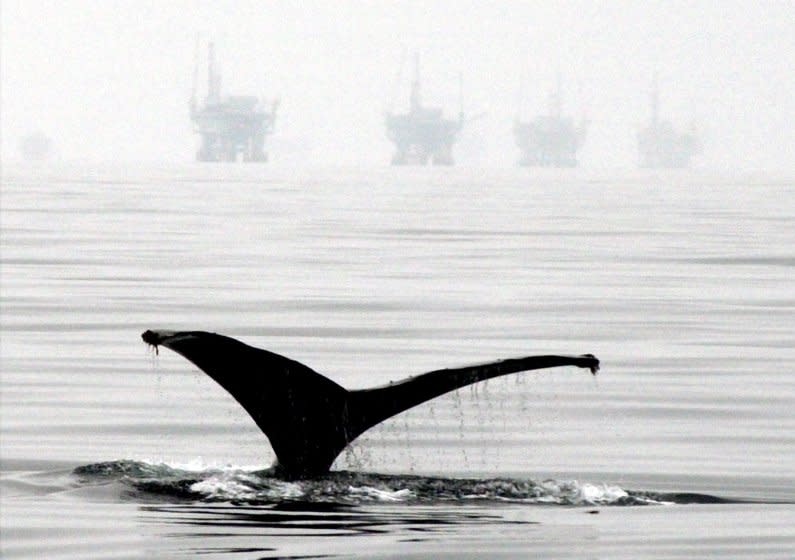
x=308, y=418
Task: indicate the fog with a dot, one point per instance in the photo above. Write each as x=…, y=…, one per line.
x=110, y=80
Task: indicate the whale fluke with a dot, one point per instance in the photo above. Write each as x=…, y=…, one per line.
x=308, y=418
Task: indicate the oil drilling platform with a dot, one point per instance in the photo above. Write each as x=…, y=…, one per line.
x=230, y=126
x=550, y=140
x=36, y=146
x=660, y=145
x=422, y=135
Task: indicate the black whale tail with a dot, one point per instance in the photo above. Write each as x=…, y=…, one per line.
x=308, y=418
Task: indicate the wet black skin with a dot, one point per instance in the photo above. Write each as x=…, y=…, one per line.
x=308, y=418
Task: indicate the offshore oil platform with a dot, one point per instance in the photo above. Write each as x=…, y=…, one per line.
x=230, y=126
x=36, y=146
x=660, y=145
x=550, y=140
x=423, y=135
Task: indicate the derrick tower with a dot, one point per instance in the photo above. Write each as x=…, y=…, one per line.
x=422, y=135
x=660, y=145
x=232, y=126
x=551, y=140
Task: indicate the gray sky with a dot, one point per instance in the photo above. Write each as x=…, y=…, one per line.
x=110, y=80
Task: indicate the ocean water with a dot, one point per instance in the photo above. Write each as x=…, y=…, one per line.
x=682, y=283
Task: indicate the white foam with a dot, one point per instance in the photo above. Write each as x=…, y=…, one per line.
x=576, y=493
x=381, y=495
x=240, y=485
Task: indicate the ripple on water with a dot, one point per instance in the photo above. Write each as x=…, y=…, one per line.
x=148, y=481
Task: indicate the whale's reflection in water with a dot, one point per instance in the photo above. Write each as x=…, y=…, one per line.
x=315, y=530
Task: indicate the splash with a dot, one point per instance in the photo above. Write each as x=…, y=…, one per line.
x=150, y=481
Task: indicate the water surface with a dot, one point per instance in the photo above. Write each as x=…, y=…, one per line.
x=681, y=283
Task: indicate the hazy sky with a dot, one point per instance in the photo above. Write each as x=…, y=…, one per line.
x=110, y=80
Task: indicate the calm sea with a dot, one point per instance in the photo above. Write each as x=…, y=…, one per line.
x=682, y=283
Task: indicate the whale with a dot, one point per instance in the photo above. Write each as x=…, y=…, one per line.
x=310, y=419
